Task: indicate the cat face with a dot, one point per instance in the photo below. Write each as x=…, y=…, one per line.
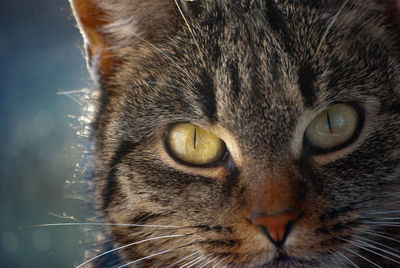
x=248, y=133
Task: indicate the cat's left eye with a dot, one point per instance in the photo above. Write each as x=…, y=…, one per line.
x=194, y=145
x=333, y=128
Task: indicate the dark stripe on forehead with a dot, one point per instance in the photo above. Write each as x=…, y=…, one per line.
x=207, y=93
x=109, y=190
x=233, y=71
x=277, y=23
x=306, y=80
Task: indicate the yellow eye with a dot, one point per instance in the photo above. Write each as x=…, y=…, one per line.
x=195, y=145
x=333, y=127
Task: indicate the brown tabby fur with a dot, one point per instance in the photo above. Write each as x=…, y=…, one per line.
x=255, y=73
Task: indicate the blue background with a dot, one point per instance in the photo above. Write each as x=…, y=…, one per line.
x=40, y=56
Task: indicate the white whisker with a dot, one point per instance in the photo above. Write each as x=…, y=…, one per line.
x=109, y=224
x=383, y=212
x=76, y=95
x=330, y=25
x=189, y=262
x=216, y=265
x=199, y=260
x=387, y=225
x=128, y=245
x=383, y=223
x=380, y=244
x=362, y=257
x=208, y=262
x=196, y=260
x=337, y=258
x=181, y=260
x=147, y=257
x=380, y=235
x=156, y=254
x=363, y=246
x=347, y=259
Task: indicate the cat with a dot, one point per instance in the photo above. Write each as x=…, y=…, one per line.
x=248, y=133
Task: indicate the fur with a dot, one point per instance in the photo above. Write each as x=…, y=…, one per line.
x=254, y=73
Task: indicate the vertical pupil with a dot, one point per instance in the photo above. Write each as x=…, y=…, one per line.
x=194, y=138
x=329, y=122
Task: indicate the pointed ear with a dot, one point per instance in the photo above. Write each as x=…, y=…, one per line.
x=110, y=26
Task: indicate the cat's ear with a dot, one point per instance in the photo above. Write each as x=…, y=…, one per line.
x=111, y=26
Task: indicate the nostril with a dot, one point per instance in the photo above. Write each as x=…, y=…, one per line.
x=289, y=227
x=276, y=228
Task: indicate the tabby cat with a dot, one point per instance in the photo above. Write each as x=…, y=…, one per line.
x=246, y=133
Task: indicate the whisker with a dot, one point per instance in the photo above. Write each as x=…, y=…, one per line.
x=181, y=260
x=191, y=31
x=330, y=25
x=347, y=259
x=147, y=257
x=360, y=245
x=380, y=244
x=374, y=252
x=337, y=258
x=199, y=259
x=216, y=265
x=380, y=235
x=382, y=212
x=155, y=254
x=76, y=95
x=363, y=246
x=362, y=257
x=190, y=262
x=208, y=262
x=111, y=224
x=383, y=223
x=128, y=245
x=387, y=225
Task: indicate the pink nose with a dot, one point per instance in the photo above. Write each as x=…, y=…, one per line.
x=276, y=227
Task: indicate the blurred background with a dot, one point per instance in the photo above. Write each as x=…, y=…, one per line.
x=41, y=57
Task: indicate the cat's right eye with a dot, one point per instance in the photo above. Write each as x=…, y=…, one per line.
x=333, y=127
x=194, y=145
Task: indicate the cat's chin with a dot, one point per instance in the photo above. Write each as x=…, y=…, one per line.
x=283, y=261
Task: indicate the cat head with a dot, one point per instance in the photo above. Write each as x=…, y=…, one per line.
x=246, y=133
